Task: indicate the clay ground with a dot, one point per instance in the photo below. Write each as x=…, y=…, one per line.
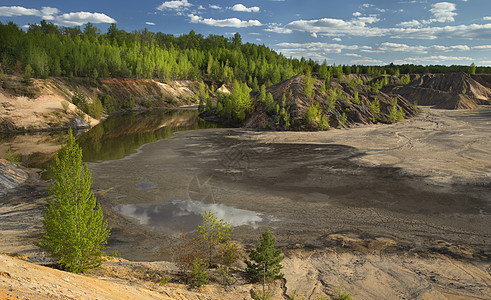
x=385, y=211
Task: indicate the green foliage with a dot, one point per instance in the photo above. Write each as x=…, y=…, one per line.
x=237, y=105
x=311, y=115
x=269, y=104
x=356, y=98
x=342, y=295
x=375, y=109
x=27, y=75
x=80, y=101
x=472, y=69
x=265, y=261
x=262, y=295
x=343, y=120
x=95, y=107
x=405, y=79
x=201, y=106
x=75, y=231
x=213, y=233
x=464, y=91
x=308, y=84
x=12, y=157
x=209, y=104
x=198, y=276
x=225, y=275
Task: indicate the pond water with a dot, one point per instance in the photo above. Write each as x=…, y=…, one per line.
x=117, y=137
x=177, y=215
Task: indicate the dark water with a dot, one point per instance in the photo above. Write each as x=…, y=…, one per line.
x=122, y=135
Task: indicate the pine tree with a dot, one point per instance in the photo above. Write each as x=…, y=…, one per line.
x=75, y=231
x=265, y=260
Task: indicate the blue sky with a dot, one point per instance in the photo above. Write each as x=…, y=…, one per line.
x=369, y=32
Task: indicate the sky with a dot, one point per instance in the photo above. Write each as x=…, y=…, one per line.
x=367, y=32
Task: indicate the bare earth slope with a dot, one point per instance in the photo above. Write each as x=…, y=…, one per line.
x=449, y=91
x=37, y=107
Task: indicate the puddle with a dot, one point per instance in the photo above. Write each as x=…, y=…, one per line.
x=144, y=185
x=178, y=215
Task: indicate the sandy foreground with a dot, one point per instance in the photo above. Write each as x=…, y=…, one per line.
x=432, y=241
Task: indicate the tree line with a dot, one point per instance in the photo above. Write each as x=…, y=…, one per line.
x=48, y=50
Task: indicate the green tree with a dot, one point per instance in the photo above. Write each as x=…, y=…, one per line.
x=265, y=261
x=213, y=232
x=75, y=231
x=472, y=69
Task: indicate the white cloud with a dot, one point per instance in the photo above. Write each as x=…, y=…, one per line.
x=352, y=54
x=46, y=13
x=337, y=39
x=395, y=47
x=15, y=11
x=487, y=18
x=80, y=18
x=367, y=5
x=276, y=28
x=150, y=23
x=443, y=12
x=368, y=60
x=231, y=22
x=338, y=27
x=214, y=6
x=433, y=59
x=357, y=14
x=243, y=8
x=482, y=47
x=178, y=5
x=412, y=23
x=315, y=47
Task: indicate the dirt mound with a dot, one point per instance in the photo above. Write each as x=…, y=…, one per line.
x=449, y=91
x=344, y=104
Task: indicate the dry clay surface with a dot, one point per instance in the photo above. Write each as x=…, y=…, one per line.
x=446, y=146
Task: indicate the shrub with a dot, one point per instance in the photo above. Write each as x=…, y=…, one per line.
x=198, y=276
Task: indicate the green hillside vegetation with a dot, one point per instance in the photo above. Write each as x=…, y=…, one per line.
x=47, y=50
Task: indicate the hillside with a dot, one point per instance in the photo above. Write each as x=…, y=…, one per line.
x=38, y=106
x=331, y=104
x=448, y=91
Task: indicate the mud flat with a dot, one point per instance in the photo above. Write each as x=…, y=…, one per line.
x=382, y=193
x=385, y=211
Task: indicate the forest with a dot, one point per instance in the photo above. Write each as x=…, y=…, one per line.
x=45, y=50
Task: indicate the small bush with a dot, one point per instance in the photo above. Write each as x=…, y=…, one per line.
x=198, y=276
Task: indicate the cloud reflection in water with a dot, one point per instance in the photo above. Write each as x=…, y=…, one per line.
x=186, y=215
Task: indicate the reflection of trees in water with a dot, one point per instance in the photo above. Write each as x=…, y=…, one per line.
x=121, y=135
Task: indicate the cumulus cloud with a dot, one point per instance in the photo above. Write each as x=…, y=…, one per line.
x=243, y=8
x=231, y=22
x=487, y=18
x=276, y=28
x=46, y=13
x=150, y=23
x=357, y=14
x=337, y=27
x=177, y=5
x=51, y=14
x=337, y=39
x=443, y=12
x=214, y=6
x=412, y=23
x=80, y=18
